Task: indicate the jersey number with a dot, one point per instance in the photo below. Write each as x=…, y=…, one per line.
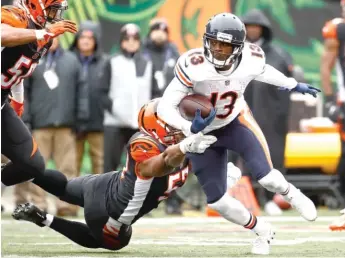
x=256, y=50
x=174, y=181
x=196, y=59
x=16, y=72
x=231, y=96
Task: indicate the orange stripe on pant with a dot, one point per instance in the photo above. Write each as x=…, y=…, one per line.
x=34, y=147
x=249, y=122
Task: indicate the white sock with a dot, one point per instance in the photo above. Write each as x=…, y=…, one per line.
x=232, y=210
x=261, y=226
x=290, y=192
x=49, y=220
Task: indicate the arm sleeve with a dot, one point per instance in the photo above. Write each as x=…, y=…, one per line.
x=272, y=76
x=168, y=106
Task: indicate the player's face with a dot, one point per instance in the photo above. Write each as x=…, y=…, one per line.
x=220, y=50
x=131, y=44
x=86, y=41
x=254, y=33
x=159, y=37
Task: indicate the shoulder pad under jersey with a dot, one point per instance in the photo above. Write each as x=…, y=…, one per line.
x=14, y=16
x=143, y=147
x=329, y=31
x=253, y=60
x=191, y=67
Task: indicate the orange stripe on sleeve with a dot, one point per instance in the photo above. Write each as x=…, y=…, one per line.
x=183, y=79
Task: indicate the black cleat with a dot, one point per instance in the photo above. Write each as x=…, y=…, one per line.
x=29, y=212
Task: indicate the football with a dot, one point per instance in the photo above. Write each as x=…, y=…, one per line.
x=191, y=103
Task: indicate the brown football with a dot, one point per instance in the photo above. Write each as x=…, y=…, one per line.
x=191, y=103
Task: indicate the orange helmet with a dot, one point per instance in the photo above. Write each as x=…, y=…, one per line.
x=151, y=124
x=42, y=11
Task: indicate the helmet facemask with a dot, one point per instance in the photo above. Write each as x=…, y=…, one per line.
x=151, y=124
x=55, y=12
x=174, y=136
x=209, y=53
x=41, y=11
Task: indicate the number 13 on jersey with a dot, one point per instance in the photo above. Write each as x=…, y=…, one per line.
x=231, y=98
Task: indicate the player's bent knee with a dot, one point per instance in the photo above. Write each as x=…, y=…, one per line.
x=124, y=237
x=274, y=181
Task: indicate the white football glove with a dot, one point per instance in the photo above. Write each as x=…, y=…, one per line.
x=234, y=175
x=197, y=143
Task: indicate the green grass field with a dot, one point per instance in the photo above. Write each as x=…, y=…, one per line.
x=183, y=237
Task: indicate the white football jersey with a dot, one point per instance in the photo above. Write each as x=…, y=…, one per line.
x=195, y=75
x=225, y=90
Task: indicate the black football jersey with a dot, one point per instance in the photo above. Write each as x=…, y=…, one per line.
x=130, y=196
x=18, y=62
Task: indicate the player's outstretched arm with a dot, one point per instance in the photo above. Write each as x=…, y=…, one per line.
x=272, y=76
x=164, y=163
x=11, y=36
x=168, y=106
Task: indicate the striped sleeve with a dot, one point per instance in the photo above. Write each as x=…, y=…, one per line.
x=182, y=76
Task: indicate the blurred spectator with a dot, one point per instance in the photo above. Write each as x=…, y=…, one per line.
x=128, y=84
x=162, y=52
x=333, y=55
x=164, y=55
x=268, y=104
x=51, y=111
x=86, y=45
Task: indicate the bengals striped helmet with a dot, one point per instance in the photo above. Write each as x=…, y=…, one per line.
x=151, y=124
x=43, y=11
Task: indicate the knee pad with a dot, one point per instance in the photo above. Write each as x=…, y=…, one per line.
x=231, y=209
x=274, y=181
x=124, y=236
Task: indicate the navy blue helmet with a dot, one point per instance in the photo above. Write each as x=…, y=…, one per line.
x=228, y=28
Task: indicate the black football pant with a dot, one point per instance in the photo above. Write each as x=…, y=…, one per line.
x=18, y=145
x=88, y=192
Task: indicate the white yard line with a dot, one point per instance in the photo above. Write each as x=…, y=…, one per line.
x=210, y=242
x=202, y=220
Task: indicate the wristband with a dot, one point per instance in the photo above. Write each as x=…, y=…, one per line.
x=40, y=34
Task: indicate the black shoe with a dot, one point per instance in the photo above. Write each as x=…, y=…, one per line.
x=29, y=212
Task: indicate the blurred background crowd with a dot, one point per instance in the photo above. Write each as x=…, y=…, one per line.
x=81, y=103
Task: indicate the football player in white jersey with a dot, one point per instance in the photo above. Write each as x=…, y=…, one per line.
x=221, y=70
